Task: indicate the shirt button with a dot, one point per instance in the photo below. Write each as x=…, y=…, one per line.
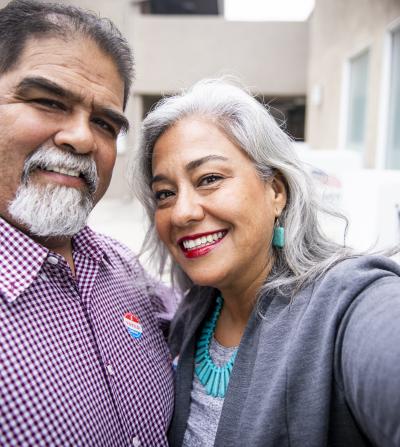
x=52, y=260
x=136, y=442
x=110, y=369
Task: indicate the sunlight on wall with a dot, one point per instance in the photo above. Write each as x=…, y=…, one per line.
x=268, y=10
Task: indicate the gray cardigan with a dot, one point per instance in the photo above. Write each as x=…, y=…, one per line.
x=322, y=370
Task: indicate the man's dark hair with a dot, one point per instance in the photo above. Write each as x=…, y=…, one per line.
x=23, y=19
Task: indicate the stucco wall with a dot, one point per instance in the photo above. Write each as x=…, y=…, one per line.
x=340, y=29
x=173, y=52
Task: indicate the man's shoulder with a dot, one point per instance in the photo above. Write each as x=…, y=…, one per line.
x=116, y=247
x=119, y=255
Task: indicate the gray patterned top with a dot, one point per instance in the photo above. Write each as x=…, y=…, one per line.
x=205, y=410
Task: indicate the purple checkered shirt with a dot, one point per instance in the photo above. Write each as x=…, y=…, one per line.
x=70, y=372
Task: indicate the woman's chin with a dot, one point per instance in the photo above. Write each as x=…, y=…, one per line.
x=200, y=279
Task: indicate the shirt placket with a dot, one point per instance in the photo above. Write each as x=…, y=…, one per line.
x=80, y=289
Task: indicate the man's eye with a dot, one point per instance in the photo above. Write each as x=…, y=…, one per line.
x=210, y=179
x=49, y=103
x=162, y=195
x=105, y=126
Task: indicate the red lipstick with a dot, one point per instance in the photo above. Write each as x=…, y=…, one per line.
x=201, y=249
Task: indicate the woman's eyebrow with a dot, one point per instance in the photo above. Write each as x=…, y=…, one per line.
x=158, y=178
x=196, y=163
x=191, y=166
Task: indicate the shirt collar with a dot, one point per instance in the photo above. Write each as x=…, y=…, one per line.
x=21, y=258
x=89, y=243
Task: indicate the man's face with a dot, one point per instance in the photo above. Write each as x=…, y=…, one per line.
x=64, y=98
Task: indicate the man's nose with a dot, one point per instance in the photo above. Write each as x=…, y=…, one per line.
x=187, y=209
x=75, y=132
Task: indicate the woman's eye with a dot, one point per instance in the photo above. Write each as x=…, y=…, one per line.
x=209, y=179
x=163, y=195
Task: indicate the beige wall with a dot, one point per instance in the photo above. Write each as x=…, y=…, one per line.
x=340, y=29
x=173, y=52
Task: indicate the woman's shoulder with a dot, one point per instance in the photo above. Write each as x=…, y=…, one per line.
x=339, y=286
x=361, y=270
x=195, y=299
x=191, y=312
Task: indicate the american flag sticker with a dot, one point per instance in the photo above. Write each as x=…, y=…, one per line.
x=133, y=325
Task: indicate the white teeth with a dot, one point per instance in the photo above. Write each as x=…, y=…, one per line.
x=202, y=241
x=63, y=171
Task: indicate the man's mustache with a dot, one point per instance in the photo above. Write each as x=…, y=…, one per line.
x=47, y=158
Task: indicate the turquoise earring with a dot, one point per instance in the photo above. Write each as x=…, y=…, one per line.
x=278, y=239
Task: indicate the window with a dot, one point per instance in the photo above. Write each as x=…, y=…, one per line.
x=289, y=112
x=357, y=102
x=191, y=7
x=393, y=135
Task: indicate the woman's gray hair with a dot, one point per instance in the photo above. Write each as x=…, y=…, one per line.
x=307, y=253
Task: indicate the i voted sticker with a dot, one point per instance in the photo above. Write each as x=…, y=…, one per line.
x=133, y=325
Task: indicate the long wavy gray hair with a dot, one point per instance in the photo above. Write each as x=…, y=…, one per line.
x=308, y=252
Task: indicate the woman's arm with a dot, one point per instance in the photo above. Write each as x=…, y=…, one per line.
x=370, y=360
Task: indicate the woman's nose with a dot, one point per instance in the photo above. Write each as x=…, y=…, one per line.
x=187, y=208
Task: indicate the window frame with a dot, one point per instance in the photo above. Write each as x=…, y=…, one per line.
x=345, y=101
x=385, y=91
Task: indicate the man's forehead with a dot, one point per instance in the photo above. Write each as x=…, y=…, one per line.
x=77, y=62
x=59, y=42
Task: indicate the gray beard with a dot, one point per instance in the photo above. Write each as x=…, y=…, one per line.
x=54, y=210
x=51, y=210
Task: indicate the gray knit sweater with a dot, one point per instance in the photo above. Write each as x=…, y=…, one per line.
x=323, y=370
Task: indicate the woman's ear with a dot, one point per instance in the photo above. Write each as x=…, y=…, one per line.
x=278, y=185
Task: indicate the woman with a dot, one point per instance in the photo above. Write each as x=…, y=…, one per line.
x=284, y=337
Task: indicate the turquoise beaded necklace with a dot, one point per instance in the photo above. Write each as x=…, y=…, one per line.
x=214, y=378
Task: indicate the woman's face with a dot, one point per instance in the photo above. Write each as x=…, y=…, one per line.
x=214, y=213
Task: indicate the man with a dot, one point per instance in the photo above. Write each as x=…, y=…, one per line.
x=83, y=361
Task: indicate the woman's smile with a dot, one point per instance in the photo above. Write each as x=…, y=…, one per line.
x=200, y=244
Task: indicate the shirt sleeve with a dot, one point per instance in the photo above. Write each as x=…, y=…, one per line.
x=164, y=300
x=370, y=361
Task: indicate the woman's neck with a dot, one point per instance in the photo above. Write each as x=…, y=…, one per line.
x=239, y=301
x=235, y=314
